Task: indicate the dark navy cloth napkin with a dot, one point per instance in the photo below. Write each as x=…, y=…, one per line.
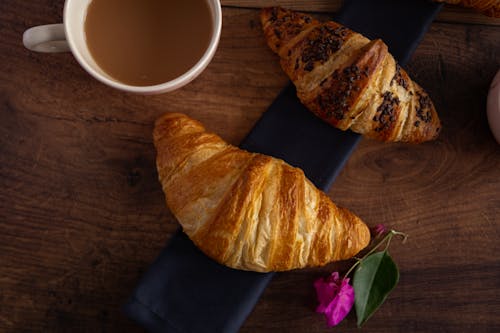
x=185, y=291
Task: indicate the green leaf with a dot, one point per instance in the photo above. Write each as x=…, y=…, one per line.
x=373, y=280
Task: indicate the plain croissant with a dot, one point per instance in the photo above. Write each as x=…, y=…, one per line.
x=245, y=210
x=348, y=80
x=487, y=7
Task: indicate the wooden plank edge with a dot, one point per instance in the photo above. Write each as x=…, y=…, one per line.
x=450, y=14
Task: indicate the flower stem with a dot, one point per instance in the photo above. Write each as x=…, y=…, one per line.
x=387, y=239
x=358, y=261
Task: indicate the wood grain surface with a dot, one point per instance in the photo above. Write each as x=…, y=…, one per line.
x=82, y=214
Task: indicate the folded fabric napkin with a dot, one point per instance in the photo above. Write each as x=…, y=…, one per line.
x=185, y=291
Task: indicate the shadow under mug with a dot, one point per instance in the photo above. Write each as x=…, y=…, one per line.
x=70, y=36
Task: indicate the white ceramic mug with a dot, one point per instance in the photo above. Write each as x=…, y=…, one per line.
x=70, y=36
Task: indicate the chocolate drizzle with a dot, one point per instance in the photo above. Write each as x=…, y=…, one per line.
x=336, y=102
x=386, y=112
x=424, y=109
x=399, y=78
x=322, y=43
x=287, y=23
x=277, y=32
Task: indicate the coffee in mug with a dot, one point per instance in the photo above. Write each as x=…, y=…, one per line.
x=147, y=42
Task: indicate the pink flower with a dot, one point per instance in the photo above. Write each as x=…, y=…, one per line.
x=335, y=297
x=378, y=230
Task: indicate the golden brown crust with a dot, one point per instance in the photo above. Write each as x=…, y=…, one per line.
x=249, y=211
x=292, y=24
x=348, y=80
x=487, y=7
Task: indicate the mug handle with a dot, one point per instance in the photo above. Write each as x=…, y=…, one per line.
x=46, y=38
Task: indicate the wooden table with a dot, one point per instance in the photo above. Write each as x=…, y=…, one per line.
x=82, y=214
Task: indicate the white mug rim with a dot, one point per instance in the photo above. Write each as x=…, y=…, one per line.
x=176, y=83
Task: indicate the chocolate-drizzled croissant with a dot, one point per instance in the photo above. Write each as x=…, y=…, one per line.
x=348, y=80
x=249, y=211
x=487, y=7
